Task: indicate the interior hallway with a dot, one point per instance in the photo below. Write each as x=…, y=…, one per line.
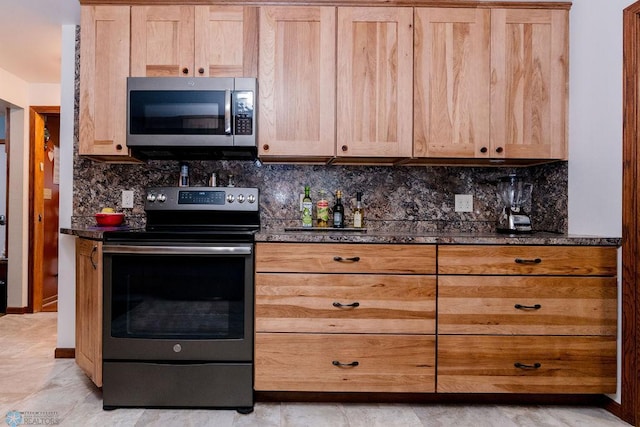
x=33, y=382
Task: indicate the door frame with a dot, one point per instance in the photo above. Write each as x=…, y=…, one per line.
x=36, y=194
x=629, y=409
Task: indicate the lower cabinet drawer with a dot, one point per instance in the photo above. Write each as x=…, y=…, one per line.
x=344, y=362
x=531, y=364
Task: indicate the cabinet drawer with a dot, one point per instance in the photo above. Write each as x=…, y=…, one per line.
x=371, y=303
x=527, y=305
x=487, y=364
x=541, y=260
x=345, y=258
x=307, y=362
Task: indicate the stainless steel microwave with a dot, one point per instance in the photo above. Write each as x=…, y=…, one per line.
x=191, y=118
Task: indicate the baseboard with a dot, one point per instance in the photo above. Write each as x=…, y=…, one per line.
x=616, y=409
x=17, y=310
x=65, y=353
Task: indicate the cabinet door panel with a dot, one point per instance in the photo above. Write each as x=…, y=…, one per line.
x=226, y=39
x=527, y=305
x=375, y=82
x=529, y=62
x=451, y=91
x=297, y=81
x=370, y=303
x=487, y=364
x=162, y=41
x=104, y=68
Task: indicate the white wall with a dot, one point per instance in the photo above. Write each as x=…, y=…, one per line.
x=66, y=243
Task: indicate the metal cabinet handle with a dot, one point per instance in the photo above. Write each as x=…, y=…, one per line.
x=352, y=305
x=352, y=259
x=528, y=307
x=93, y=251
x=345, y=365
x=525, y=366
x=528, y=261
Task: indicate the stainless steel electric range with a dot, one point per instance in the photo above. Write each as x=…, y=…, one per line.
x=178, y=302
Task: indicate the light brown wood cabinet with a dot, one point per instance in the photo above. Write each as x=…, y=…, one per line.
x=104, y=68
x=375, y=81
x=88, y=352
x=491, y=83
x=345, y=317
x=193, y=41
x=297, y=77
x=526, y=319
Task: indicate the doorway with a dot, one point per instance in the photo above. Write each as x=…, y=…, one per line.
x=44, y=141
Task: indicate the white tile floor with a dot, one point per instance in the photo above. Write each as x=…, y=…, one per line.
x=42, y=389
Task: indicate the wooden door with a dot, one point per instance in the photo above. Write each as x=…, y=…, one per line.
x=297, y=82
x=162, y=41
x=375, y=82
x=104, y=68
x=529, y=68
x=226, y=41
x=36, y=241
x=452, y=82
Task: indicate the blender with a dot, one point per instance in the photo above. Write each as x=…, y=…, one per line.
x=514, y=194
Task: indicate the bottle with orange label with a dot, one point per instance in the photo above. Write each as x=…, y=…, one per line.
x=322, y=209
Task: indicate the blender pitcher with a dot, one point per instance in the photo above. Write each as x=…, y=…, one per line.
x=514, y=194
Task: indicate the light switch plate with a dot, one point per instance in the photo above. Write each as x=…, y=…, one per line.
x=464, y=202
x=127, y=199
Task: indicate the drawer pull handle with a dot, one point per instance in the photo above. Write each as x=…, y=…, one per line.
x=528, y=307
x=528, y=261
x=345, y=365
x=525, y=366
x=352, y=259
x=352, y=305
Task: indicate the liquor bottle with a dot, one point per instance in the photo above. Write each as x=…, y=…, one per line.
x=322, y=210
x=307, y=208
x=184, y=175
x=338, y=211
x=358, y=212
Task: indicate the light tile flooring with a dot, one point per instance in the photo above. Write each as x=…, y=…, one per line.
x=44, y=390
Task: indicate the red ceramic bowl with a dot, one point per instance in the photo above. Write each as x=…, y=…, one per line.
x=109, y=219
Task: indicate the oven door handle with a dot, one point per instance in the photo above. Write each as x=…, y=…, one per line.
x=177, y=250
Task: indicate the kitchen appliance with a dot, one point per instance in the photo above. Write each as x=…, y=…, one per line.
x=192, y=118
x=514, y=194
x=178, y=302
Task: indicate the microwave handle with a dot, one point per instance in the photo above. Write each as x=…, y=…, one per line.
x=227, y=112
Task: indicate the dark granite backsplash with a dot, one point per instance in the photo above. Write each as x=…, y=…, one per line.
x=419, y=198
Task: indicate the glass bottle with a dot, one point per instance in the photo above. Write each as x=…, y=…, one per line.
x=307, y=208
x=358, y=212
x=184, y=175
x=338, y=211
x=322, y=209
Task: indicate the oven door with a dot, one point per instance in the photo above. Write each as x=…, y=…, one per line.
x=178, y=302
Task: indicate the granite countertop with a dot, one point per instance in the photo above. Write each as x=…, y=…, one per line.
x=330, y=235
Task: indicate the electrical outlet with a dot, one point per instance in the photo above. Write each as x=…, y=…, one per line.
x=464, y=202
x=127, y=199
x=301, y=198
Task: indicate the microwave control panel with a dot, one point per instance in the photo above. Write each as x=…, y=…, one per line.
x=243, y=113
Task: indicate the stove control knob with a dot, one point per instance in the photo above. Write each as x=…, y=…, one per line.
x=251, y=198
x=151, y=197
x=162, y=197
x=230, y=198
x=240, y=198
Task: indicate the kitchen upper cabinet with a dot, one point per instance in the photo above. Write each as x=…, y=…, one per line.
x=104, y=68
x=297, y=83
x=529, y=97
x=491, y=83
x=89, y=308
x=375, y=82
x=451, y=112
x=203, y=41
